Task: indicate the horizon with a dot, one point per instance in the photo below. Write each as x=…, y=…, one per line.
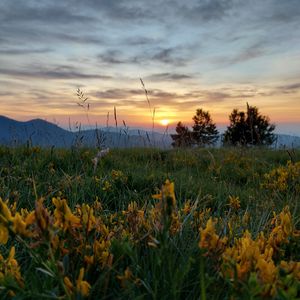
x=216, y=55
x=159, y=129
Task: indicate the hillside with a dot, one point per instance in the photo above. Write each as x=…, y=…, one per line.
x=42, y=133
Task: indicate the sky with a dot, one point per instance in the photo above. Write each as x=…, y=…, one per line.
x=211, y=54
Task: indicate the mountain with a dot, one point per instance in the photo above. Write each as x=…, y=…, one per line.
x=287, y=141
x=45, y=134
x=42, y=133
x=36, y=132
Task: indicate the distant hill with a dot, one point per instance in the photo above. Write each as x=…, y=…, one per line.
x=42, y=133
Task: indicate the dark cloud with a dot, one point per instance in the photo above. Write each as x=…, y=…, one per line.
x=140, y=41
x=159, y=98
x=21, y=51
x=112, y=57
x=284, y=11
x=248, y=53
x=168, y=77
x=117, y=93
x=59, y=72
x=79, y=38
x=213, y=10
x=44, y=12
x=119, y=10
x=290, y=88
x=169, y=56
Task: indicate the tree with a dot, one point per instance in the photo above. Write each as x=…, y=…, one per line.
x=183, y=136
x=204, y=130
x=250, y=128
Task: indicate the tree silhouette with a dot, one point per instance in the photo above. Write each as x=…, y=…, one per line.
x=183, y=136
x=204, y=130
x=250, y=128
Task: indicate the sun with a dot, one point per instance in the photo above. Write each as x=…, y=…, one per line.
x=164, y=122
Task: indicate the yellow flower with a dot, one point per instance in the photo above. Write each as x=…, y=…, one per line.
x=209, y=239
x=5, y=214
x=166, y=195
x=125, y=278
x=87, y=216
x=10, y=267
x=19, y=226
x=41, y=215
x=267, y=271
x=107, y=186
x=234, y=202
x=4, y=234
x=82, y=286
x=68, y=284
x=291, y=267
x=64, y=217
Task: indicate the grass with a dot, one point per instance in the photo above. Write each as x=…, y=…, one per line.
x=152, y=251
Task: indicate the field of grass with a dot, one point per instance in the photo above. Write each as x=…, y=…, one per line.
x=149, y=224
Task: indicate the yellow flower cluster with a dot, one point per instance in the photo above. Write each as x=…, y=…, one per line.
x=245, y=255
x=85, y=237
x=282, y=178
x=9, y=267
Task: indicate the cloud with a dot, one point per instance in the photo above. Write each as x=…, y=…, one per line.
x=245, y=54
x=118, y=93
x=168, y=77
x=59, y=72
x=22, y=51
x=160, y=98
x=46, y=12
x=169, y=56
x=112, y=57
x=289, y=88
x=203, y=11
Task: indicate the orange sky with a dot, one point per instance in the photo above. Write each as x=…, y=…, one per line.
x=216, y=55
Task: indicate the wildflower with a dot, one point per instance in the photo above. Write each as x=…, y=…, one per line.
x=5, y=214
x=68, y=284
x=41, y=215
x=246, y=218
x=187, y=207
x=4, y=234
x=267, y=270
x=283, y=228
x=107, y=186
x=209, y=239
x=87, y=216
x=10, y=267
x=167, y=193
x=64, y=218
x=19, y=226
x=291, y=267
x=125, y=278
x=234, y=202
x=82, y=286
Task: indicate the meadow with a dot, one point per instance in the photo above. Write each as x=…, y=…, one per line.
x=149, y=224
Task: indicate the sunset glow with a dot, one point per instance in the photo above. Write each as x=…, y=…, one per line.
x=164, y=122
x=216, y=55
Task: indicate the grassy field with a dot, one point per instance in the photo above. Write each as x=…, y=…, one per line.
x=149, y=224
